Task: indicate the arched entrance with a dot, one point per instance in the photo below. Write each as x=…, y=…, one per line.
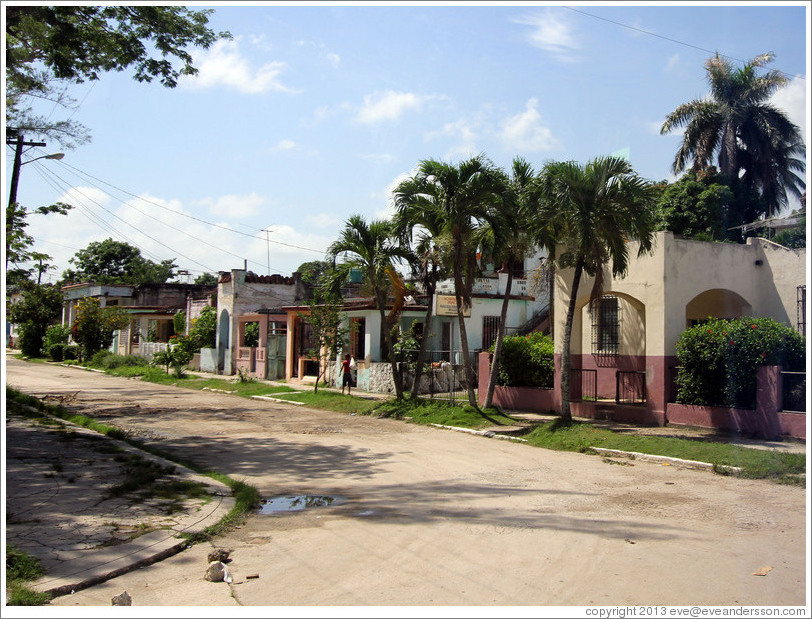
x=715, y=303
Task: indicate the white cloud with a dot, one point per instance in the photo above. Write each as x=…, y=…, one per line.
x=389, y=105
x=225, y=65
x=333, y=59
x=673, y=61
x=377, y=157
x=792, y=100
x=235, y=207
x=553, y=33
x=464, y=135
x=322, y=221
x=283, y=145
x=525, y=131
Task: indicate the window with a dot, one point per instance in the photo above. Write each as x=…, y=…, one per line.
x=490, y=328
x=801, y=309
x=358, y=338
x=605, y=326
x=445, y=341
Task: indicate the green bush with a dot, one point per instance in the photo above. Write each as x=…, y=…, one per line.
x=99, y=358
x=56, y=352
x=718, y=359
x=73, y=352
x=527, y=361
x=56, y=334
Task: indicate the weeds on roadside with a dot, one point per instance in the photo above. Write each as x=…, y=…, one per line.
x=20, y=569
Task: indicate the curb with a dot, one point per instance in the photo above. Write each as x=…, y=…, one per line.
x=84, y=568
x=666, y=460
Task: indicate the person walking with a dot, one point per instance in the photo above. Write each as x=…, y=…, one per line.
x=346, y=380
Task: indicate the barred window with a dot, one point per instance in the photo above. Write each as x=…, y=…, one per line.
x=801, y=309
x=490, y=328
x=605, y=326
x=358, y=338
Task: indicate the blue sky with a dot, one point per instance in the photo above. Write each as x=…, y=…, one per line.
x=313, y=113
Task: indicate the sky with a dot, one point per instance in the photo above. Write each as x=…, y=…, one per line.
x=315, y=112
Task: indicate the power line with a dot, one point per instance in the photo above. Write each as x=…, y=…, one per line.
x=128, y=223
x=660, y=36
x=67, y=185
x=173, y=211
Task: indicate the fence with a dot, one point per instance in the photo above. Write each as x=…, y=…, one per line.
x=443, y=375
x=583, y=385
x=630, y=387
x=793, y=391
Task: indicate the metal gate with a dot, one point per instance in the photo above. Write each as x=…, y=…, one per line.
x=276, y=354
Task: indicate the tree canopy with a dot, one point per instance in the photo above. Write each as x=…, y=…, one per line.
x=754, y=141
x=49, y=47
x=115, y=262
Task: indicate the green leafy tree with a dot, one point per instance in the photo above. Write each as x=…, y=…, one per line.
x=115, y=262
x=179, y=323
x=754, y=141
x=460, y=199
x=40, y=308
x=206, y=279
x=372, y=249
x=312, y=271
x=94, y=326
x=594, y=209
x=51, y=47
x=203, y=332
x=701, y=205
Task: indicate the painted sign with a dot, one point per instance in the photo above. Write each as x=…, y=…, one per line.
x=447, y=306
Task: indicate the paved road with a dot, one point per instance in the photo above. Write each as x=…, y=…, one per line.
x=434, y=517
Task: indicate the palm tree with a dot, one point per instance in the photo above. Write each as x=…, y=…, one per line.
x=509, y=240
x=460, y=199
x=754, y=140
x=409, y=216
x=371, y=248
x=595, y=210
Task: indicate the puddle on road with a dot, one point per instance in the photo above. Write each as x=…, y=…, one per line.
x=294, y=503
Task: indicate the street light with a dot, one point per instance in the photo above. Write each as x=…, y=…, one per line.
x=19, y=142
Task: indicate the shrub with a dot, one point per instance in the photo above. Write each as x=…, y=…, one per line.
x=98, y=360
x=719, y=358
x=527, y=361
x=56, y=334
x=72, y=352
x=56, y=352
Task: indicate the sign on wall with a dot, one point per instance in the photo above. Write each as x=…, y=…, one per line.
x=447, y=306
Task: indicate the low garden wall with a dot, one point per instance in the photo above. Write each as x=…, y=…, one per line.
x=768, y=424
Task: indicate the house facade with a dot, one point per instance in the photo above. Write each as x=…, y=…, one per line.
x=624, y=346
x=244, y=298
x=151, y=309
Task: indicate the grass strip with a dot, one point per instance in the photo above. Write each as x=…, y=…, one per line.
x=778, y=466
x=22, y=568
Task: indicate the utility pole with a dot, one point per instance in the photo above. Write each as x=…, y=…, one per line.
x=11, y=208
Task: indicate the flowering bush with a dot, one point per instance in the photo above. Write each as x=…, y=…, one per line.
x=527, y=361
x=718, y=359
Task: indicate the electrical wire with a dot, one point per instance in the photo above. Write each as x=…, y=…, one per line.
x=660, y=36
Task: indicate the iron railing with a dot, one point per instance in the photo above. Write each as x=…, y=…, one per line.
x=794, y=391
x=630, y=387
x=583, y=385
x=443, y=374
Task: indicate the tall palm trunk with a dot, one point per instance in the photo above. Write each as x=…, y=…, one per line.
x=566, y=357
x=421, y=353
x=500, y=336
x=388, y=339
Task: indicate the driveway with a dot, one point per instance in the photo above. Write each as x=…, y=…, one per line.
x=435, y=517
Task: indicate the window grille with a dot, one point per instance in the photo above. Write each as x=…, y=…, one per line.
x=801, y=309
x=490, y=328
x=605, y=326
x=358, y=338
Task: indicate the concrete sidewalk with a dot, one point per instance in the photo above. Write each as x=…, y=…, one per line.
x=57, y=510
